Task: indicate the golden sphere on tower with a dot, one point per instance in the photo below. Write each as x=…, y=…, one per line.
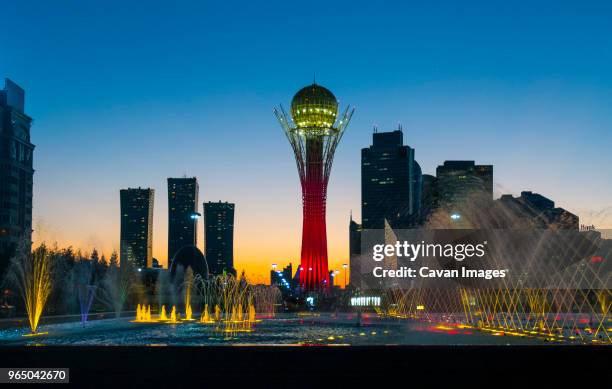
x=314, y=106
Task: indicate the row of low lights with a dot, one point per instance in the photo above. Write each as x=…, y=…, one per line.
x=286, y=284
x=365, y=301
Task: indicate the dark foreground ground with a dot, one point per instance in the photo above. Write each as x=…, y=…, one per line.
x=314, y=367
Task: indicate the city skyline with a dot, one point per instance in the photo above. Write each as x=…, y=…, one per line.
x=540, y=117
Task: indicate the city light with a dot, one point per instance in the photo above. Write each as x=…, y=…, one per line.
x=365, y=301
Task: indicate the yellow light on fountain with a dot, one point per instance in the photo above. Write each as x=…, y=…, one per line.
x=173, y=315
x=188, y=312
x=205, y=318
x=162, y=315
x=34, y=281
x=143, y=314
x=251, y=313
x=138, y=313
x=217, y=312
x=188, y=284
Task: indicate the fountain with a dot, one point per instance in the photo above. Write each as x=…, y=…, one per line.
x=32, y=274
x=187, y=285
x=173, y=317
x=86, y=290
x=217, y=312
x=205, y=318
x=86, y=294
x=115, y=287
x=162, y=315
x=265, y=298
x=143, y=314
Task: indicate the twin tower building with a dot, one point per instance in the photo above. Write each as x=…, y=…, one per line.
x=136, y=245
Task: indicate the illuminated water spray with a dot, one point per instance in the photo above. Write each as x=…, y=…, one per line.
x=32, y=273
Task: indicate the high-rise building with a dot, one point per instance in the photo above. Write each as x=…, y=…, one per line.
x=355, y=231
x=429, y=196
x=391, y=182
x=314, y=131
x=182, y=214
x=136, y=243
x=461, y=183
x=16, y=172
x=219, y=237
x=532, y=210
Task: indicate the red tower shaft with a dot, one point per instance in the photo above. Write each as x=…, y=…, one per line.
x=314, y=271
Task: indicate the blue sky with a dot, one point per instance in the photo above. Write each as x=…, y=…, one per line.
x=127, y=95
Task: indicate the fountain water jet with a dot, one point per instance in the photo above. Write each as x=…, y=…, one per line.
x=173, y=317
x=85, y=288
x=32, y=274
x=115, y=287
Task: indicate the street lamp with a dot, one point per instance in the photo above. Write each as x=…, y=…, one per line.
x=345, y=266
x=273, y=266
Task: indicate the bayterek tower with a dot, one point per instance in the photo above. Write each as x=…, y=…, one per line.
x=314, y=131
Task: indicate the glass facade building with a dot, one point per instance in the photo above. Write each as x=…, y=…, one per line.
x=16, y=172
x=136, y=243
x=182, y=214
x=391, y=182
x=460, y=182
x=219, y=237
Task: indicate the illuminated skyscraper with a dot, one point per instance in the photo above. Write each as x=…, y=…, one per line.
x=136, y=243
x=16, y=172
x=182, y=214
x=219, y=237
x=391, y=182
x=461, y=182
x=314, y=131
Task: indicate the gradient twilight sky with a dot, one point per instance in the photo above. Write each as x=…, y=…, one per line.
x=128, y=95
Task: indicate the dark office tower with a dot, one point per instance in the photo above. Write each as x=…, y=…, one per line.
x=16, y=172
x=463, y=183
x=136, y=245
x=390, y=182
x=182, y=214
x=219, y=237
x=429, y=197
x=355, y=253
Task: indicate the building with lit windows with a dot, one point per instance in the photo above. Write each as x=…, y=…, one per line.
x=16, y=173
x=461, y=182
x=136, y=242
x=219, y=237
x=532, y=210
x=182, y=214
x=390, y=182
